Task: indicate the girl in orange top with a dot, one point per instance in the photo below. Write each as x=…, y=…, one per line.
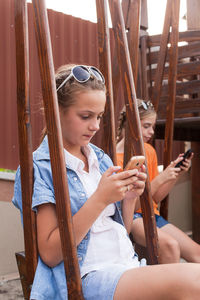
x=173, y=242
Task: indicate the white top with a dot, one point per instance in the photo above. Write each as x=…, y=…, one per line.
x=109, y=242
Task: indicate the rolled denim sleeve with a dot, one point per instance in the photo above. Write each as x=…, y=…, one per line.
x=43, y=187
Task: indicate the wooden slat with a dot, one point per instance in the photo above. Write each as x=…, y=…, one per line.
x=63, y=208
x=133, y=122
x=169, y=128
x=186, y=51
x=108, y=138
x=186, y=36
x=24, y=135
x=184, y=132
x=182, y=106
x=182, y=88
x=183, y=70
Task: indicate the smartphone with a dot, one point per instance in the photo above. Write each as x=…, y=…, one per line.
x=135, y=162
x=187, y=154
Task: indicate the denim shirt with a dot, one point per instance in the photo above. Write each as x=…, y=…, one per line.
x=50, y=283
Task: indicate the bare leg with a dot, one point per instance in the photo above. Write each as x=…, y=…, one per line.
x=169, y=250
x=190, y=250
x=160, y=282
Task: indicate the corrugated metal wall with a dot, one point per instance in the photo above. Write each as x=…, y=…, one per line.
x=73, y=40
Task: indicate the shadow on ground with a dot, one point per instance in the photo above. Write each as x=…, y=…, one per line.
x=11, y=290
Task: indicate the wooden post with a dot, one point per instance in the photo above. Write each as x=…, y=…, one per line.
x=162, y=55
x=131, y=12
x=108, y=140
x=193, y=23
x=133, y=121
x=63, y=208
x=27, y=265
x=133, y=25
x=143, y=83
x=169, y=127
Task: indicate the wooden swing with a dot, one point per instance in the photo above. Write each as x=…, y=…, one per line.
x=27, y=262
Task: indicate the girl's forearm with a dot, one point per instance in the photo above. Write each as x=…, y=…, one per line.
x=157, y=182
x=49, y=242
x=86, y=216
x=163, y=191
x=128, y=208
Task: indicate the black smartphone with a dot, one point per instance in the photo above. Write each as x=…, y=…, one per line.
x=187, y=154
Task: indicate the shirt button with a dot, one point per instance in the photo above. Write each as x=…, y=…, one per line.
x=80, y=258
x=82, y=194
x=75, y=178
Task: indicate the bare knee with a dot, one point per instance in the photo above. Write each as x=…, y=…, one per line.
x=169, y=251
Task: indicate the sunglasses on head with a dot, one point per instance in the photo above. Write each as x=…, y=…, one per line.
x=146, y=105
x=83, y=74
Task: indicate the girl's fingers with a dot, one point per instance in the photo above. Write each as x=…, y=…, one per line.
x=173, y=163
x=142, y=176
x=126, y=174
x=111, y=170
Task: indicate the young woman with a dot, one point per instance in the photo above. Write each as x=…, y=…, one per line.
x=102, y=203
x=173, y=242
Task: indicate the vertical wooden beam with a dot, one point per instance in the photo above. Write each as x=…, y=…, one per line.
x=144, y=15
x=131, y=12
x=169, y=127
x=196, y=192
x=133, y=121
x=162, y=55
x=193, y=23
x=133, y=26
x=25, y=143
x=108, y=139
x=62, y=197
x=144, y=80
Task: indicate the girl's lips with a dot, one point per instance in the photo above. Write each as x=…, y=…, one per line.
x=88, y=136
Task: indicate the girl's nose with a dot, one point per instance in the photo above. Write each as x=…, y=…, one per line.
x=152, y=130
x=94, y=125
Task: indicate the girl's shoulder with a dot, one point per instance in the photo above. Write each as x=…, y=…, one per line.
x=149, y=149
x=42, y=152
x=102, y=157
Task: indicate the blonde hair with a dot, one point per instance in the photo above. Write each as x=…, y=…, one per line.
x=145, y=109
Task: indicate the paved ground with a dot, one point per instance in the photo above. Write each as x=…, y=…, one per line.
x=11, y=290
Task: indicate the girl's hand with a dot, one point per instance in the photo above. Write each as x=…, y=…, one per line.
x=136, y=189
x=170, y=173
x=186, y=163
x=113, y=187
